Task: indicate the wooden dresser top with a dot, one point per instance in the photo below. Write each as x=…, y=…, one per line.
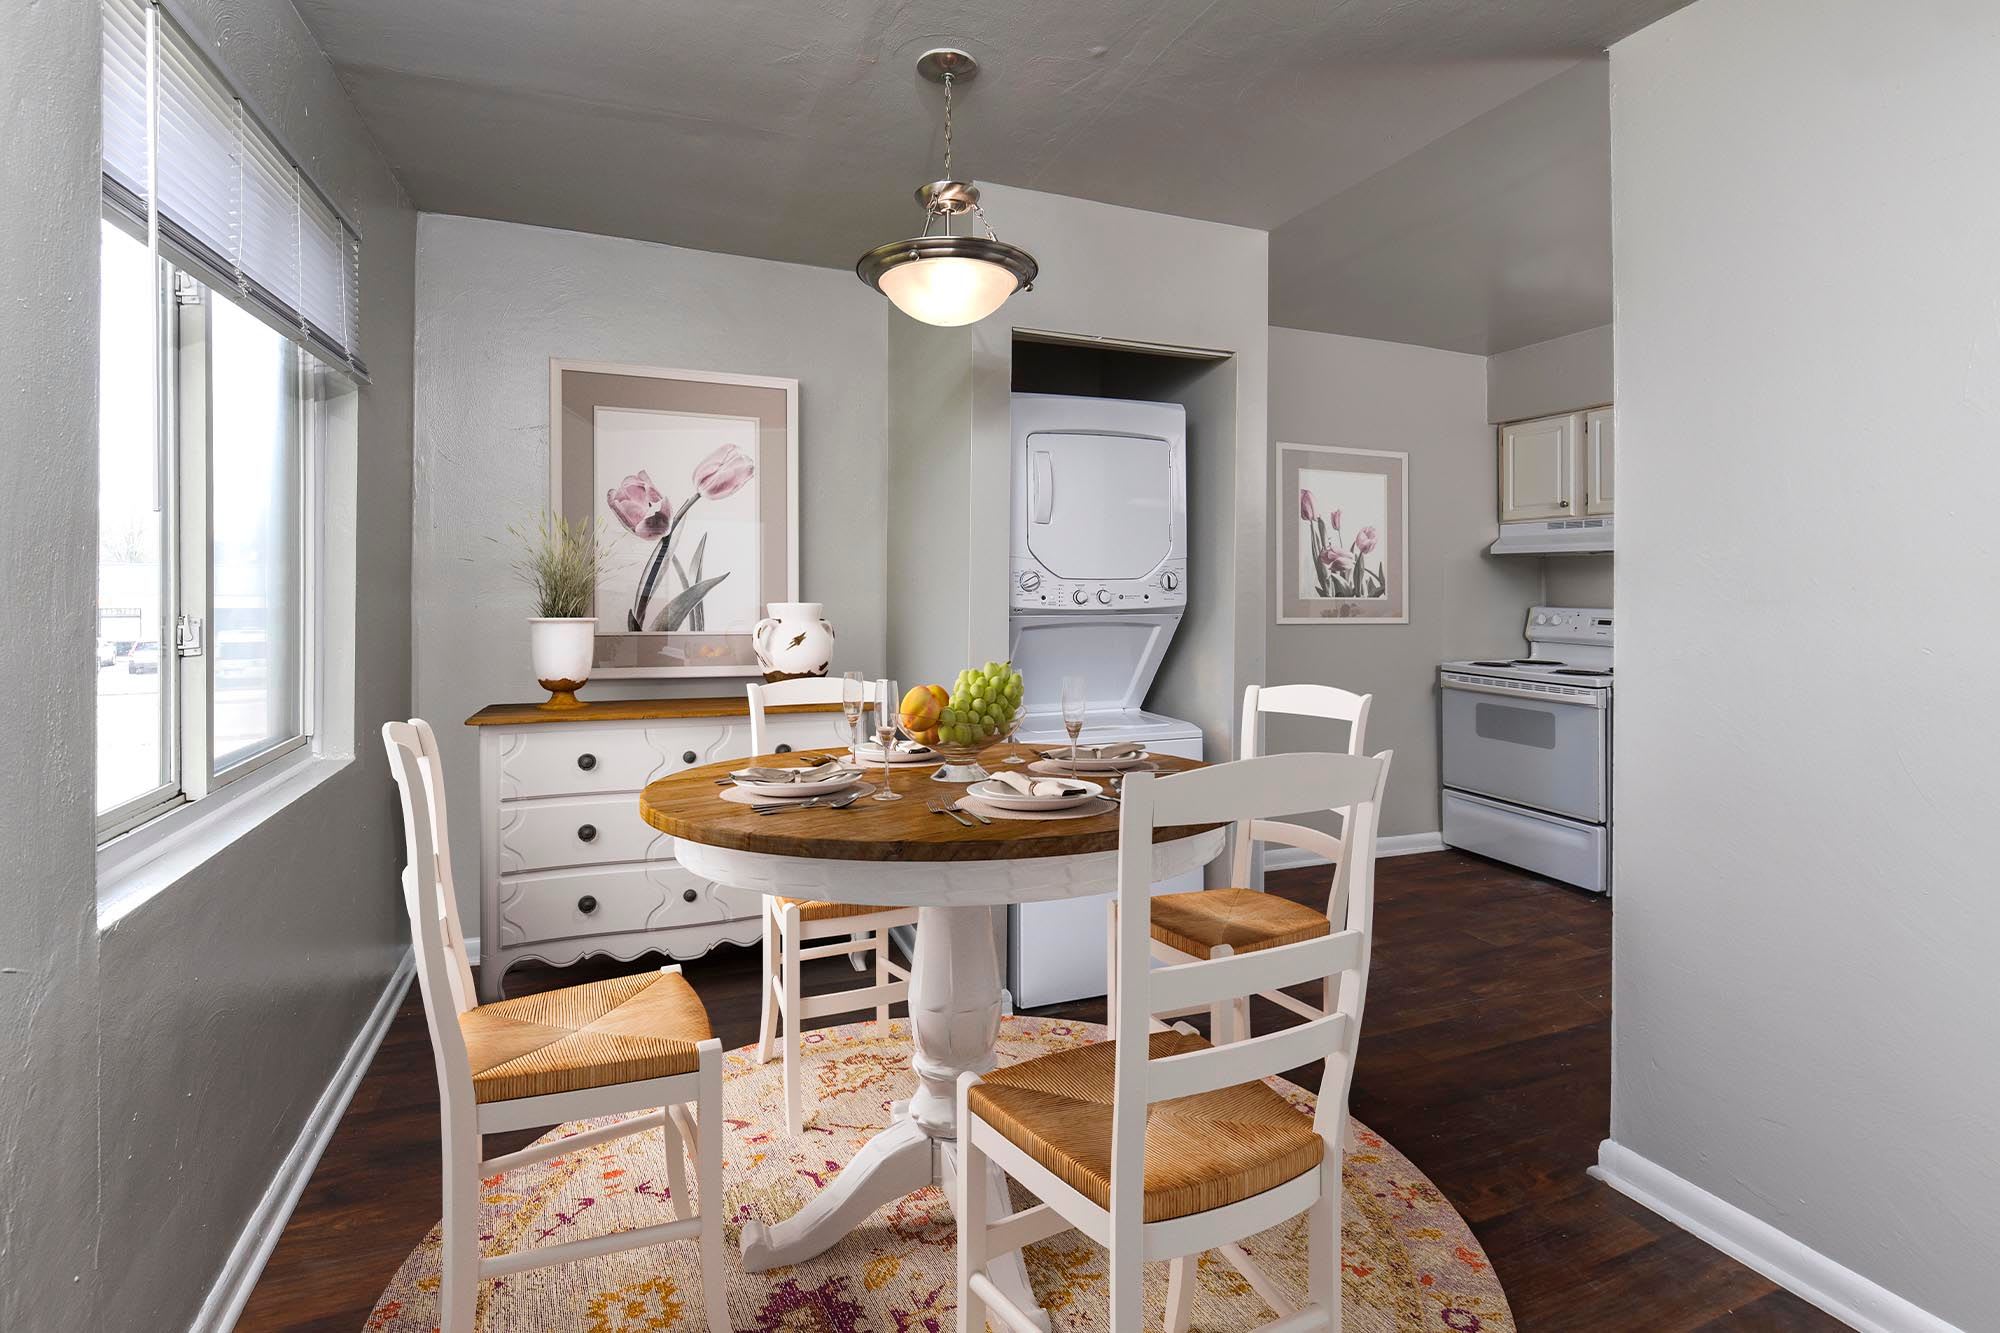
x=630, y=710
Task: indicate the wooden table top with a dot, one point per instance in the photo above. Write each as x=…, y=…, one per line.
x=630, y=710
x=689, y=805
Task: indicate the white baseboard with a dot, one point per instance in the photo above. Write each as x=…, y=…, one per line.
x=1402, y=844
x=232, y=1287
x=1799, y=1269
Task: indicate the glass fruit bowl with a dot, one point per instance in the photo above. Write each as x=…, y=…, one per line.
x=980, y=711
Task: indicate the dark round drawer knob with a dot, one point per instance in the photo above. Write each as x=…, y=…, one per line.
x=689, y=895
x=586, y=904
x=587, y=832
x=586, y=762
x=784, y=749
x=687, y=756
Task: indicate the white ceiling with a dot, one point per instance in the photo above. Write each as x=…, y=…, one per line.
x=796, y=129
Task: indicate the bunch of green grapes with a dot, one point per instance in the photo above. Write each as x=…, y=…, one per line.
x=984, y=701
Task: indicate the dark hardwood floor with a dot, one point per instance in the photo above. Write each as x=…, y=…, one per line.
x=1485, y=1058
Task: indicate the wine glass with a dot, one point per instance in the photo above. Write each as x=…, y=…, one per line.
x=885, y=737
x=1072, y=713
x=853, y=694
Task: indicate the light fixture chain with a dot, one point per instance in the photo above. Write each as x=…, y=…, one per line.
x=981, y=213
x=947, y=125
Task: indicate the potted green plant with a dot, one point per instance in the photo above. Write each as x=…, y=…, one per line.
x=560, y=560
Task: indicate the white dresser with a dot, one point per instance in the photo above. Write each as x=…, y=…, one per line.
x=567, y=867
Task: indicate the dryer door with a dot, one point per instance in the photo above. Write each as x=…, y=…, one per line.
x=1100, y=506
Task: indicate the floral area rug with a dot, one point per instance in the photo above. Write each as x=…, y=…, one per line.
x=1408, y=1261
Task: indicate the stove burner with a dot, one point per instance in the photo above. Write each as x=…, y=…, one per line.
x=1509, y=663
x=1583, y=671
x=1536, y=661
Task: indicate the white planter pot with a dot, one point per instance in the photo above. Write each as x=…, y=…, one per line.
x=794, y=640
x=561, y=651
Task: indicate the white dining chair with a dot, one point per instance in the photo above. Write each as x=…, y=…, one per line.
x=1241, y=919
x=792, y=925
x=637, y=1043
x=1158, y=1145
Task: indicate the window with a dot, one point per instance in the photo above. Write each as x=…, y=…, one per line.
x=228, y=317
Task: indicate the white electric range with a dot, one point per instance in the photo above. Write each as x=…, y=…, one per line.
x=1525, y=750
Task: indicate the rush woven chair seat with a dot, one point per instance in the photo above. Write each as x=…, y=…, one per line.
x=615, y=1031
x=1202, y=1152
x=812, y=909
x=1234, y=921
x=1159, y=1145
x=798, y=930
x=631, y=1044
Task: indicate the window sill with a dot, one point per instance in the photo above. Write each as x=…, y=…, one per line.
x=135, y=867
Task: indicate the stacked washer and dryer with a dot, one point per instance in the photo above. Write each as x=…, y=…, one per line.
x=1099, y=584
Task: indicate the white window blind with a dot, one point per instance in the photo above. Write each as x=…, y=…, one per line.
x=229, y=196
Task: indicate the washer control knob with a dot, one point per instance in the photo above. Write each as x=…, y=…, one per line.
x=1079, y=597
x=1104, y=596
x=1030, y=581
x=1170, y=580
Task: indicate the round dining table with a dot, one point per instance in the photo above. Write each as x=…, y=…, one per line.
x=901, y=854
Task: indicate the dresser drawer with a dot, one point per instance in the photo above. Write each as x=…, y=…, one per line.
x=605, y=757
x=615, y=900
x=577, y=831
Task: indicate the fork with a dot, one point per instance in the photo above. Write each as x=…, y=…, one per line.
x=938, y=807
x=966, y=810
x=836, y=802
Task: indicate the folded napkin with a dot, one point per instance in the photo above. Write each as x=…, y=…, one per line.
x=1114, y=750
x=1037, y=787
x=811, y=772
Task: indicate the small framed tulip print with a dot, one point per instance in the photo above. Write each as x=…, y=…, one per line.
x=691, y=480
x=1342, y=523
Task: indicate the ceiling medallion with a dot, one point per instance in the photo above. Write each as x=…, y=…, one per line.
x=940, y=278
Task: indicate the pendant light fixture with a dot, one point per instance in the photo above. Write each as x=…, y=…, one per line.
x=941, y=278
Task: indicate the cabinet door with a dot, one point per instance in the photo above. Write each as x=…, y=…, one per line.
x=1600, y=461
x=1538, y=468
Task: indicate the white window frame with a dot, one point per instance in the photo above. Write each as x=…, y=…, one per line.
x=184, y=296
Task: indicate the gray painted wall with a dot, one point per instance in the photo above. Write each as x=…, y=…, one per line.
x=217, y=1011
x=1330, y=389
x=495, y=302
x=1542, y=379
x=1803, y=987
x=230, y=998
x=48, y=511
x=1101, y=275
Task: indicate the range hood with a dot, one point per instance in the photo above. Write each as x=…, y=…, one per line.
x=1556, y=536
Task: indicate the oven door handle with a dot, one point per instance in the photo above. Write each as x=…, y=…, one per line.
x=1582, y=699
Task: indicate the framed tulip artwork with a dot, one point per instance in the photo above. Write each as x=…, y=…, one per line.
x=691, y=479
x=1343, y=534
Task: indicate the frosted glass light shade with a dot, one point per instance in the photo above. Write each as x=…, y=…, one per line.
x=948, y=292
x=947, y=280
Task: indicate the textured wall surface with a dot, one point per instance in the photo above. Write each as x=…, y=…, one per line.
x=48, y=467
x=1334, y=390
x=495, y=302
x=201, y=1029
x=1809, y=358
x=1541, y=379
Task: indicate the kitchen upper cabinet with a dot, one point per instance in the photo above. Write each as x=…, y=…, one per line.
x=1558, y=467
x=1600, y=461
x=1538, y=465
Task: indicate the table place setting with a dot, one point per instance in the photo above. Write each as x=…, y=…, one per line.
x=826, y=783
x=1097, y=760
x=1012, y=796
x=902, y=752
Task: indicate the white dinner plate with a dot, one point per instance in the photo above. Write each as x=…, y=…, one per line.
x=1086, y=764
x=999, y=793
x=838, y=779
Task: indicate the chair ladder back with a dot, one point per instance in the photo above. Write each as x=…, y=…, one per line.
x=1328, y=702
x=432, y=767
x=1242, y=792
x=805, y=690
x=435, y=979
